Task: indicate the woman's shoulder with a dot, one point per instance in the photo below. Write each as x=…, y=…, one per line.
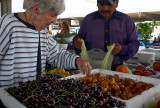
x=65, y=31
x=62, y=31
x=6, y=19
x=7, y=16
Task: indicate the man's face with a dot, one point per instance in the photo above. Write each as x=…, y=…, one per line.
x=106, y=9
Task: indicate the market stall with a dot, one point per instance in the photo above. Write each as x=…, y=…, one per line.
x=132, y=85
x=142, y=99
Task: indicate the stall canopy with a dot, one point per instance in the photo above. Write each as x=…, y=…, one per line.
x=137, y=9
x=145, y=16
x=141, y=10
x=78, y=8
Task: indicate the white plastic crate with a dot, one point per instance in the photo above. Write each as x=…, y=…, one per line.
x=143, y=100
x=9, y=101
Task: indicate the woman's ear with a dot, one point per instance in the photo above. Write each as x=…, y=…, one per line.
x=35, y=9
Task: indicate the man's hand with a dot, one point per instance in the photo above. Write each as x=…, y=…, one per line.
x=117, y=49
x=77, y=43
x=84, y=66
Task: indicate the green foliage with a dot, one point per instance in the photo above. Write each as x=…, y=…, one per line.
x=62, y=41
x=157, y=23
x=145, y=29
x=64, y=35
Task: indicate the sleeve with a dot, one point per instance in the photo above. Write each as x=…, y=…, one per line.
x=4, y=36
x=130, y=48
x=81, y=34
x=58, y=57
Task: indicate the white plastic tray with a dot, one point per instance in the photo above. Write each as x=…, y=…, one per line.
x=143, y=100
x=9, y=101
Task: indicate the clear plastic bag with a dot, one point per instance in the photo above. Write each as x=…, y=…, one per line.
x=101, y=64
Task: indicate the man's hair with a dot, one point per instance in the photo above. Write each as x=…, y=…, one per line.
x=99, y=1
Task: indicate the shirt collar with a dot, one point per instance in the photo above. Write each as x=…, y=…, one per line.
x=25, y=23
x=114, y=15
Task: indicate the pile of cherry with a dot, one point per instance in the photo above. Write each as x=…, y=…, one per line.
x=50, y=92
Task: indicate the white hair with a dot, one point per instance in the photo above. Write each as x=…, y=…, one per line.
x=58, y=6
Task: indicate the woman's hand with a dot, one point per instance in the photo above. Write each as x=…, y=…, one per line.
x=84, y=66
x=77, y=43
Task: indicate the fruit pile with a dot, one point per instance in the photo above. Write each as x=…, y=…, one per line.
x=141, y=70
x=59, y=71
x=155, y=104
x=120, y=88
x=122, y=68
x=156, y=65
x=50, y=92
x=158, y=104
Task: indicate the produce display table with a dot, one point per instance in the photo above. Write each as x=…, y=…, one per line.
x=144, y=100
x=153, y=50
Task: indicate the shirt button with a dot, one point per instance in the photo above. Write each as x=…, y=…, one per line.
x=106, y=30
x=106, y=41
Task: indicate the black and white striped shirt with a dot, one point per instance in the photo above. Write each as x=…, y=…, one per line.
x=18, y=51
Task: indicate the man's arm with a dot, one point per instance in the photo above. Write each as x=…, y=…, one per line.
x=81, y=34
x=130, y=48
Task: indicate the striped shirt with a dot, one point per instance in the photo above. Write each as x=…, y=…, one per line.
x=19, y=47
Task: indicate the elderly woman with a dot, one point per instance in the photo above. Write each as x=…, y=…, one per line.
x=26, y=46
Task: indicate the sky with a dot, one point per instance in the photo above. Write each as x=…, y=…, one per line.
x=80, y=8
